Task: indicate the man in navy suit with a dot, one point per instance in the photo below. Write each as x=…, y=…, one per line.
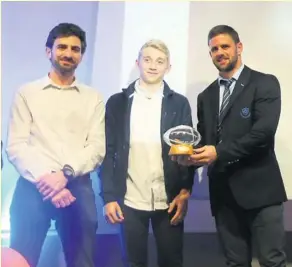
x=238, y=116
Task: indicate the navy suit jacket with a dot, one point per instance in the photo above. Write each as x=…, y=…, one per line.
x=246, y=157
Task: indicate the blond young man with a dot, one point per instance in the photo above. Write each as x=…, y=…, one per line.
x=140, y=183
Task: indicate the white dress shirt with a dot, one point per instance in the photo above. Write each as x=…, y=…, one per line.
x=145, y=181
x=51, y=126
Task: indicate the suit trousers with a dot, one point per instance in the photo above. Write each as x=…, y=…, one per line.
x=134, y=237
x=238, y=228
x=30, y=219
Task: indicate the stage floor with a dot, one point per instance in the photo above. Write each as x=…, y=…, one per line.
x=200, y=250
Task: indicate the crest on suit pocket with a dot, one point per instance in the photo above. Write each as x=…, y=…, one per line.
x=245, y=113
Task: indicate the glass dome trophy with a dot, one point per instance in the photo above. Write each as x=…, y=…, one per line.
x=182, y=139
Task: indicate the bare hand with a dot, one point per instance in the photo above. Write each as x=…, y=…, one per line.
x=63, y=199
x=204, y=155
x=51, y=184
x=180, y=202
x=113, y=212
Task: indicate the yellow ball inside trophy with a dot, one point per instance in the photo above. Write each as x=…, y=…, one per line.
x=182, y=139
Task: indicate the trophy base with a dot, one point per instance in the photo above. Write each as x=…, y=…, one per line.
x=181, y=149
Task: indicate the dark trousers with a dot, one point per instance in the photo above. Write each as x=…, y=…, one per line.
x=134, y=233
x=30, y=219
x=237, y=228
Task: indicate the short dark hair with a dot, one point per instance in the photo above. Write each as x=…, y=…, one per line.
x=223, y=29
x=66, y=30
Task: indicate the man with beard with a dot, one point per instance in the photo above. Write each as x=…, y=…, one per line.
x=56, y=137
x=238, y=116
x=140, y=183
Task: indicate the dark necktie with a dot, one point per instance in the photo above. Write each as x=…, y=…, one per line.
x=224, y=104
x=226, y=94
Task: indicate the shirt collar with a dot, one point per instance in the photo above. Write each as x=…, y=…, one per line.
x=235, y=75
x=140, y=90
x=48, y=83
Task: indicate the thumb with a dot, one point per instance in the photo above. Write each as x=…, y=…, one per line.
x=119, y=211
x=171, y=206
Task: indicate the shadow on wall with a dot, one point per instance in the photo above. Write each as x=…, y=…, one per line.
x=201, y=184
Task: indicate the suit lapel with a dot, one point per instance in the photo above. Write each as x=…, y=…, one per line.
x=239, y=86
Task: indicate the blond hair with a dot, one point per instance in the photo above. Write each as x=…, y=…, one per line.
x=157, y=44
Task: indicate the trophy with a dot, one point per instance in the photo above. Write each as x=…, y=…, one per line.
x=181, y=140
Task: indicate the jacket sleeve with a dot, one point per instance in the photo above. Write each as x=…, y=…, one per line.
x=188, y=172
x=266, y=113
x=107, y=168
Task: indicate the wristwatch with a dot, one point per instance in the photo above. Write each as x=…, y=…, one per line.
x=68, y=172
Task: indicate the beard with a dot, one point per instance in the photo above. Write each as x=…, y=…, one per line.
x=65, y=69
x=229, y=67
